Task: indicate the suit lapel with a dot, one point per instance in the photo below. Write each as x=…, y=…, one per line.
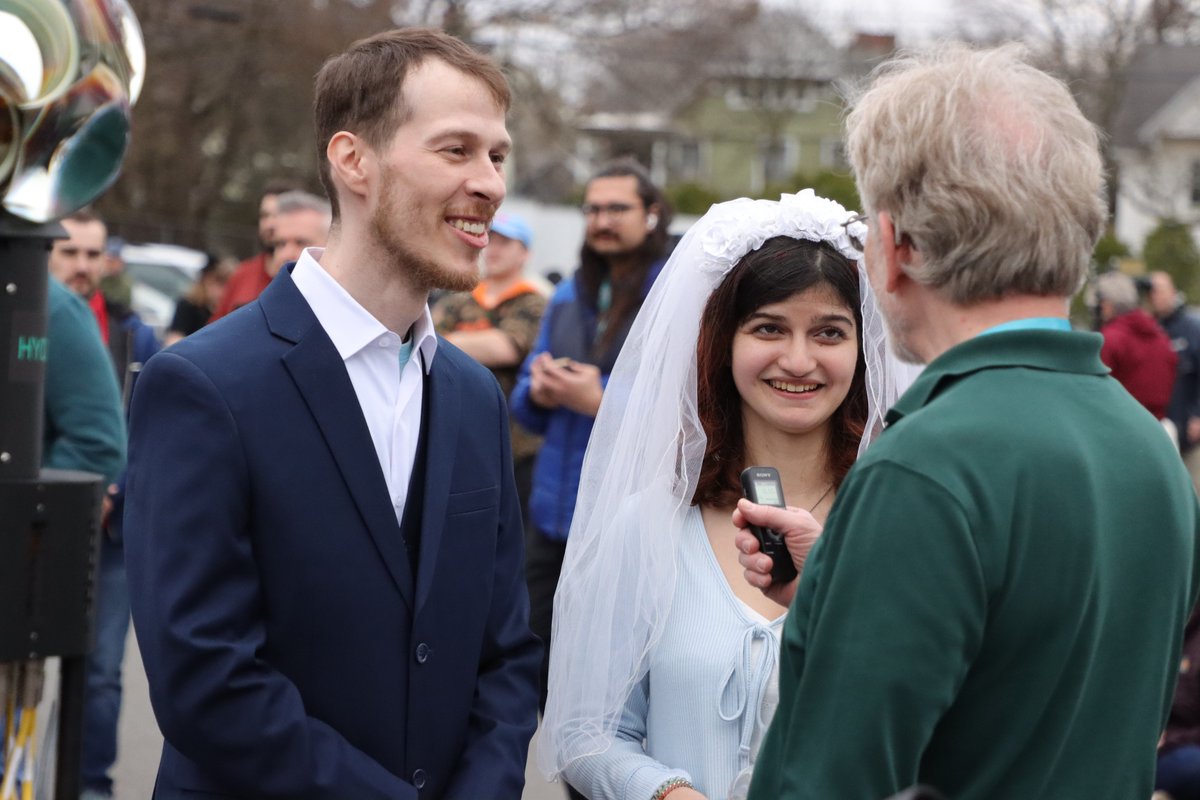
x=320, y=376
x=443, y=399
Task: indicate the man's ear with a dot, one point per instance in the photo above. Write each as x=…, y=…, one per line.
x=350, y=162
x=895, y=255
x=652, y=217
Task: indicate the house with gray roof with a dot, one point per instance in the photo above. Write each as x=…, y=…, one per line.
x=1156, y=142
x=764, y=104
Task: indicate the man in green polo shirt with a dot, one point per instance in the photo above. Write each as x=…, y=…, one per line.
x=996, y=605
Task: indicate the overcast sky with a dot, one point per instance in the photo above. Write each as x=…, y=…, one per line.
x=911, y=20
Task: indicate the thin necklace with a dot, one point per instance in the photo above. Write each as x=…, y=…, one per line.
x=819, y=499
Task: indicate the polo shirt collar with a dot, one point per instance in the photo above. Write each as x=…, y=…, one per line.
x=1057, y=351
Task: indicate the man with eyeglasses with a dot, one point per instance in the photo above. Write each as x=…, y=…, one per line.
x=997, y=603
x=562, y=381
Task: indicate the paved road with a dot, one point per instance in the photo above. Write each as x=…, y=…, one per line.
x=140, y=742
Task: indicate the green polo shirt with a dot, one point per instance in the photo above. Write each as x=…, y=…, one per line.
x=997, y=603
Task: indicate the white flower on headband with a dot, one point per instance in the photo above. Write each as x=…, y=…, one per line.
x=735, y=228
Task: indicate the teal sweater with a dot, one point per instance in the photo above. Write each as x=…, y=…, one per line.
x=85, y=426
x=997, y=603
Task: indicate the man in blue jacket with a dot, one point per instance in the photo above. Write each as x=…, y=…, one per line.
x=324, y=539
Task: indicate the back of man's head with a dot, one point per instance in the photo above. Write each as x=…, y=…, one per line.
x=987, y=165
x=362, y=89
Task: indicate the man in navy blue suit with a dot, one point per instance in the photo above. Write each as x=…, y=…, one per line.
x=323, y=536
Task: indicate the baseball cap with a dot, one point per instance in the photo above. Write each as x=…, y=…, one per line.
x=513, y=227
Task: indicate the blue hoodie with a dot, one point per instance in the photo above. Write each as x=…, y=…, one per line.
x=567, y=329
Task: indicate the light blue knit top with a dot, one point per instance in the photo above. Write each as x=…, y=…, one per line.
x=697, y=711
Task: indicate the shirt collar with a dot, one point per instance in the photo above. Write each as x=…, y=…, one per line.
x=1053, y=350
x=350, y=326
x=1029, y=324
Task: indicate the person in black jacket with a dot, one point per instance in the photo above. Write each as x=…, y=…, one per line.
x=1183, y=328
x=195, y=308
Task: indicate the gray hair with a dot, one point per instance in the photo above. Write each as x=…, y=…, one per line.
x=1118, y=289
x=291, y=202
x=987, y=165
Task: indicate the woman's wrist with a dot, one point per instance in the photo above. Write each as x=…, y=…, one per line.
x=670, y=785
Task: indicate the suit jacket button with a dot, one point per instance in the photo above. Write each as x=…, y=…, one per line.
x=422, y=657
x=418, y=779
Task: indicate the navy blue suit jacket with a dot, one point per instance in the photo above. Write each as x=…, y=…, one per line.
x=290, y=652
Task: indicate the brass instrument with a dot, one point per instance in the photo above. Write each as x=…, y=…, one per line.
x=70, y=71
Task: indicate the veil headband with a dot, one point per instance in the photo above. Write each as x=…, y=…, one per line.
x=643, y=462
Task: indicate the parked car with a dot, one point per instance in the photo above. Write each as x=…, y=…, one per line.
x=161, y=273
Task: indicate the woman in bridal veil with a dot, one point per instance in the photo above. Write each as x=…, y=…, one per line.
x=760, y=344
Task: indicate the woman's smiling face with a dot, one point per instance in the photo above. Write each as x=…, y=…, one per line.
x=794, y=361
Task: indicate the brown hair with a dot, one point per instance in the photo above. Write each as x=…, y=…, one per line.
x=220, y=268
x=85, y=215
x=362, y=89
x=782, y=267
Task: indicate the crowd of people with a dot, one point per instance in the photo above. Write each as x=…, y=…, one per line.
x=388, y=498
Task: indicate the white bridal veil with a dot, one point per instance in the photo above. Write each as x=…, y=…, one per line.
x=643, y=461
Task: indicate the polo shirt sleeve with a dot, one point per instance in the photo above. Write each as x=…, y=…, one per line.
x=887, y=619
x=84, y=421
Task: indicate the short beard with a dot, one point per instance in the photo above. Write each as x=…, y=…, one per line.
x=898, y=343
x=425, y=273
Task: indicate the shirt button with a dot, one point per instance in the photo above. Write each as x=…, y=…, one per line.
x=422, y=654
x=418, y=779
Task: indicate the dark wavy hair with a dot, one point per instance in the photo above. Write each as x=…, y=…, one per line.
x=782, y=267
x=593, y=267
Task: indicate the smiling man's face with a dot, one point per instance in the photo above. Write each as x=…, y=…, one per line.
x=441, y=177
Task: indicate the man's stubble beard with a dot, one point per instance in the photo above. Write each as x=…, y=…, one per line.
x=898, y=333
x=422, y=270
x=84, y=287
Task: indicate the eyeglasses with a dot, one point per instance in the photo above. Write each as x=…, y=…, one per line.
x=857, y=243
x=612, y=210
x=860, y=244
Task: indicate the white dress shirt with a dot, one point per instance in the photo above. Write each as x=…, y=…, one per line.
x=389, y=394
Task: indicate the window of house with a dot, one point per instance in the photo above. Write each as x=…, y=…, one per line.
x=762, y=94
x=685, y=161
x=778, y=160
x=833, y=153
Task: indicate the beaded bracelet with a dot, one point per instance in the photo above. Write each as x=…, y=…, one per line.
x=669, y=786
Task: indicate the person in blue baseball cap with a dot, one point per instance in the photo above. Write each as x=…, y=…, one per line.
x=497, y=323
x=510, y=226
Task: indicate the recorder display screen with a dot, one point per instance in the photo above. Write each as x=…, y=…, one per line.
x=768, y=494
